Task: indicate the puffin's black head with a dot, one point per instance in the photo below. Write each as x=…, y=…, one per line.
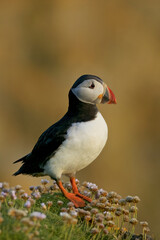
x=91, y=89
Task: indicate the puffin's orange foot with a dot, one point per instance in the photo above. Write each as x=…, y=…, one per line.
x=83, y=196
x=78, y=202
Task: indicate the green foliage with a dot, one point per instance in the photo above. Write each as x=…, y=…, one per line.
x=50, y=228
x=47, y=214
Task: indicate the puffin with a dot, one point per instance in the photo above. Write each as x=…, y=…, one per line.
x=75, y=140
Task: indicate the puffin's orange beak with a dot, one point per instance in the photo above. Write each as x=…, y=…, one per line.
x=112, y=98
x=108, y=96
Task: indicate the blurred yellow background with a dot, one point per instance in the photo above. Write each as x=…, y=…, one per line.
x=45, y=46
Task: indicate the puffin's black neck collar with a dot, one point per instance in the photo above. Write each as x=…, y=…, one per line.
x=82, y=111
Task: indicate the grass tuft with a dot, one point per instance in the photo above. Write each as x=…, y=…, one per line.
x=47, y=214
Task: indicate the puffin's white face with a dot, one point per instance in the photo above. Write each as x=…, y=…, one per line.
x=90, y=91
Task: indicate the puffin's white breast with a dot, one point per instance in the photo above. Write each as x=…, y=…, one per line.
x=84, y=142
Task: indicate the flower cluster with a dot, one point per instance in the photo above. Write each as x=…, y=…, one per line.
x=29, y=222
x=107, y=214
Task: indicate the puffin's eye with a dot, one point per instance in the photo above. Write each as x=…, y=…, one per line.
x=92, y=86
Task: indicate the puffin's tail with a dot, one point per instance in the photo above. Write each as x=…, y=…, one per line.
x=23, y=160
x=30, y=166
x=16, y=173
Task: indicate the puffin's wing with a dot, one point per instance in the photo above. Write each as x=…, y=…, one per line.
x=46, y=146
x=50, y=141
